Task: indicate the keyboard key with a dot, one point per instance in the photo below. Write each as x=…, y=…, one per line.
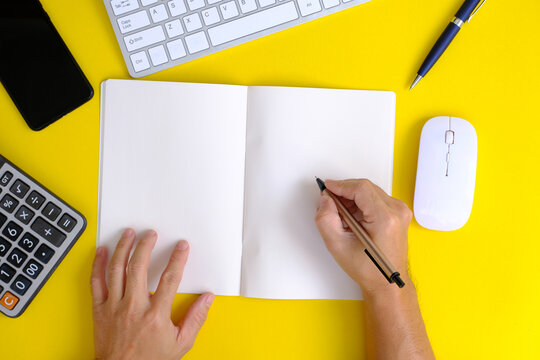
x=12, y=231
x=8, y=203
x=158, y=55
x=1, y=289
x=144, y=38
x=67, y=223
x=177, y=7
x=192, y=22
x=7, y=273
x=21, y=285
x=19, y=189
x=308, y=7
x=35, y=200
x=140, y=61
x=3, y=219
x=247, y=6
x=51, y=211
x=133, y=22
x=210, y=16
x=124, y=6
x=251, y=24
x=6, y=178
x=33, y=268
x=48, y=232
x=228, y=10
x=9, y=300
x=158, y=13
x=195, y=4
x=174, y=28
x=176, y=49
x=28, y=242
x=196, y=42
x=330, y=3
x=17, y=257
x=264, y=3
x=213, y=1
x=44, y=253
x=24, y=215
x=4, y=247
x=148, y=2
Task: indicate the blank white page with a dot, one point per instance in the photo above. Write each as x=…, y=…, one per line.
x=172, y=159
x=293, y=135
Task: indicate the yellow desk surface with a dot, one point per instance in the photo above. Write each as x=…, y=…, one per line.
x=478, y=286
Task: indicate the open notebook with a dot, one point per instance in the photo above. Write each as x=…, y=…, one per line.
x=231, y=169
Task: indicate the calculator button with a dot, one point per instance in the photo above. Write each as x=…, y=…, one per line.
x=9, y=300
x=4, y=180
x=12, y=231
x=1, y=289
x=6, y=273
x=3, y=219
x=17, y=257
x=48, y=232
x=44, y=253
x=4, y=246
x=21, y=285
x=33, y=268
x=19, y=189
x=28, y=242
x=24, y=215
x=35, y=200
x=67, y=223
x=51, y=211
x=8, y=203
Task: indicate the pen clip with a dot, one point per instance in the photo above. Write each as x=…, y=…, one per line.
x=475, y=11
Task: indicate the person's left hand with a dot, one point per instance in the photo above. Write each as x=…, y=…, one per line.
x=129, y=322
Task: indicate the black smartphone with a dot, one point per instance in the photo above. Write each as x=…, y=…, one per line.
x=36, y=68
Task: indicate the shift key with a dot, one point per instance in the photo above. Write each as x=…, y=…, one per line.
x=48, y=232
x=144, y=38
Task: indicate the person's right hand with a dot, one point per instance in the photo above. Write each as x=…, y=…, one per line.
x=386, y=220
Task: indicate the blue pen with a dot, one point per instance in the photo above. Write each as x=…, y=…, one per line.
x=465, y=13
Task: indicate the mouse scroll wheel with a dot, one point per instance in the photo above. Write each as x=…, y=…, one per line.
x=449, y=137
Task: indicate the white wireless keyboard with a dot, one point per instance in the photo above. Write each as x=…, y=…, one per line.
x=157, y=34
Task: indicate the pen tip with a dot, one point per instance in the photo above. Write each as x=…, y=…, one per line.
x=416, y=81
x=321, y=184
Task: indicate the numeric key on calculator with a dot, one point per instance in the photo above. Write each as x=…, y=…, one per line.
x=37, y=230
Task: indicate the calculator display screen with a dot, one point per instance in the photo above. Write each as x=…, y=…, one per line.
x=36, y=68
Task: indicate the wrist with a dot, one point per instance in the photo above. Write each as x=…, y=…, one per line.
x=389, y=292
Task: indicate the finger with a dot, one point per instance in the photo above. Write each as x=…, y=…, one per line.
x=97, y=280
x=137, y=270
x=116, y=277
x=363, y=192
x=328, y=220
x=171, y=277
x=194, y=320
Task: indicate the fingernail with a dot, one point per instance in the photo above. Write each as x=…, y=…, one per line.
x=129, y=233
x=210, y=299
x=182, y=245
x=151, y=233
x=99, y=251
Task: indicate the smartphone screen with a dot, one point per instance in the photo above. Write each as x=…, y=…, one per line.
x=36, y=68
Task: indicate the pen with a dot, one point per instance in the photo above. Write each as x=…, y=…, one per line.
x=465, y=13
x=371, y=249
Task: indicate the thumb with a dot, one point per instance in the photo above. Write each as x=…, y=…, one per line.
x=194, y=320
x=328, y=220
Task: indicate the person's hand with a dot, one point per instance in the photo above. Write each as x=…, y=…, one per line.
x=129, y=322
x=384, y=218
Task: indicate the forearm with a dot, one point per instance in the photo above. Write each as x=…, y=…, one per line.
x=394, y=326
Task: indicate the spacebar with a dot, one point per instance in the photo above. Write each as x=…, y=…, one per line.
x=253, y=23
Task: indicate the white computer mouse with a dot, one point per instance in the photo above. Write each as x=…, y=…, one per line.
x=446, y=173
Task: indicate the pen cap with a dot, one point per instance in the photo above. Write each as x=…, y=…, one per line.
x=467, y=9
